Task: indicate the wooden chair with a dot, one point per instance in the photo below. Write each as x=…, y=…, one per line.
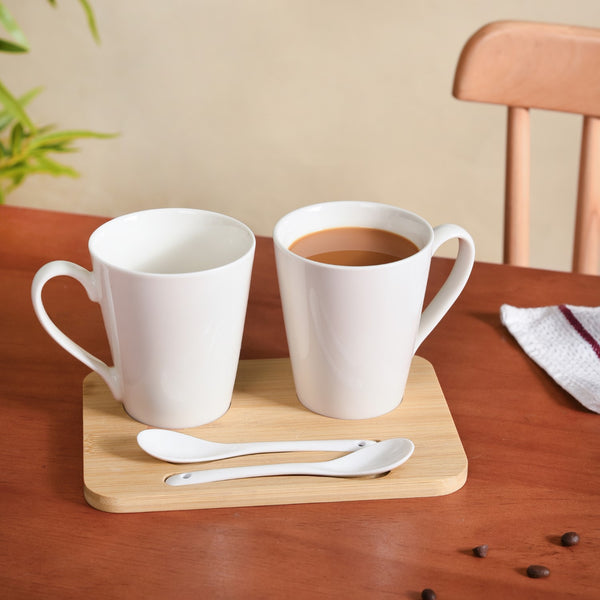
x=554, y=67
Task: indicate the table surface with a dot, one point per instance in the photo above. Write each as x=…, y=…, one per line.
x=534, y=458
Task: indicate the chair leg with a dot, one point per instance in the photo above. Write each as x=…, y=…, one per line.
x=516, y=209
x=586, y=247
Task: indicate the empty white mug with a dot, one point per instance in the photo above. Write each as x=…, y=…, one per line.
x=352, y=330
x=173, y=287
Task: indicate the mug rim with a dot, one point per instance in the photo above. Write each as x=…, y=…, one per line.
x=281, y=223
x=93, y=241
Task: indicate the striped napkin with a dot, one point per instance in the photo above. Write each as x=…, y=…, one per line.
x=563, y=340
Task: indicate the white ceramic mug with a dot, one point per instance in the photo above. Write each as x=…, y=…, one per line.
x=352, y=331
x=173, y=287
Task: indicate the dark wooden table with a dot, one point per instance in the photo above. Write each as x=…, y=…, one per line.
x=534, y=463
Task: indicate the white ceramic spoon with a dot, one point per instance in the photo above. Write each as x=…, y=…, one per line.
x=175, y=447
x=378, y=458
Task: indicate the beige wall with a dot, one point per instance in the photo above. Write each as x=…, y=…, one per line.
x=254, y=107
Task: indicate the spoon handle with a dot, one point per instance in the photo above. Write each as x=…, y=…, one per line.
x=300, y=446
x=210, y=475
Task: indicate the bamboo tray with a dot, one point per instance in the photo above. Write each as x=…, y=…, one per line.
x=120, y=477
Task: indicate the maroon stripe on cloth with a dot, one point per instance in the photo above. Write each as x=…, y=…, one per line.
x=579, y=328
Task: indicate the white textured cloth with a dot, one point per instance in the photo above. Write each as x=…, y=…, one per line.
x=565, y=341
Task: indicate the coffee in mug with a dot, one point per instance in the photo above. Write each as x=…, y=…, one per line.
x=354, y=246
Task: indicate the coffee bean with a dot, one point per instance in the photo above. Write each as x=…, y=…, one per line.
x=428, y=594
x=537, y=571
x=481, y=551
x=569, y=539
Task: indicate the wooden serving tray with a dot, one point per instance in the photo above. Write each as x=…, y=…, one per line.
x=120, y=477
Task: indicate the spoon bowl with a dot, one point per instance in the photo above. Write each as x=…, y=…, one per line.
x=371, y=460
x=175, y=447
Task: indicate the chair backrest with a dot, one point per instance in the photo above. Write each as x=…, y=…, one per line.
x=527, y=65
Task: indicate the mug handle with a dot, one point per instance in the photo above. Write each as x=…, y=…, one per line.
x=454, y=284
x=87, y=280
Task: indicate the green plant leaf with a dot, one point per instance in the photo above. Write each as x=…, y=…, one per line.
x=6, y=118
x=13, y=108
x=89, y=13
x=6, y=46
x=16, y=137
x=11, y=26
x=45, y=167
x=61, y=147
x=45, y=140
x=55, y=168
x=16, y=171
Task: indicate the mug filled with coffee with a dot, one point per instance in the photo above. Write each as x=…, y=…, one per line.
x=352, y=277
